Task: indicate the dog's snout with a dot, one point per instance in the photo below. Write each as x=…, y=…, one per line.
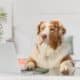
x=44, y=36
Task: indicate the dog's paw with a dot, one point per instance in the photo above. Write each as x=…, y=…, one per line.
x=64, y=70
x=30, y=66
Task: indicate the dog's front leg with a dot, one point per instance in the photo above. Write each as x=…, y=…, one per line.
x=67, y=67
x=30, y=64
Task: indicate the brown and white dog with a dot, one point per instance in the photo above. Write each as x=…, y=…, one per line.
x=50, y=50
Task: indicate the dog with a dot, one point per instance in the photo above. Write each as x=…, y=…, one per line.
x=50, y=51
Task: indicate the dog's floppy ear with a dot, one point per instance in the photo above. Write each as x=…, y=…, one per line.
x=62, y=30
x=38, y=27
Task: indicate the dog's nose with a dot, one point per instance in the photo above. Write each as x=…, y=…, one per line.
x=44, y=36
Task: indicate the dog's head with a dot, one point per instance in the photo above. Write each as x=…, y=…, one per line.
x=51, y=31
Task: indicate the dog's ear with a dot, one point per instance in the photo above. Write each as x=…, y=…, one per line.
x=38, y=27
x=62, y=30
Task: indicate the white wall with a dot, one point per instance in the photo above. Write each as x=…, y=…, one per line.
x=28, y=13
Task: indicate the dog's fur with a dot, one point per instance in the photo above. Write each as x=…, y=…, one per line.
x=50, y=50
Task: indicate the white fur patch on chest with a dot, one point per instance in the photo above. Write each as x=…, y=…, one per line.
x=50, y=58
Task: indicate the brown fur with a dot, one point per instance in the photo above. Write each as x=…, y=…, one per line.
x=67, y=58
x=57, y=37
x=38, y=27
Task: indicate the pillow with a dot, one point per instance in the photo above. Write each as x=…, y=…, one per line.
x=69, y=41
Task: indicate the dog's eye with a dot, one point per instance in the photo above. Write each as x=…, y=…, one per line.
x=42, y=28
x=52, y=29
